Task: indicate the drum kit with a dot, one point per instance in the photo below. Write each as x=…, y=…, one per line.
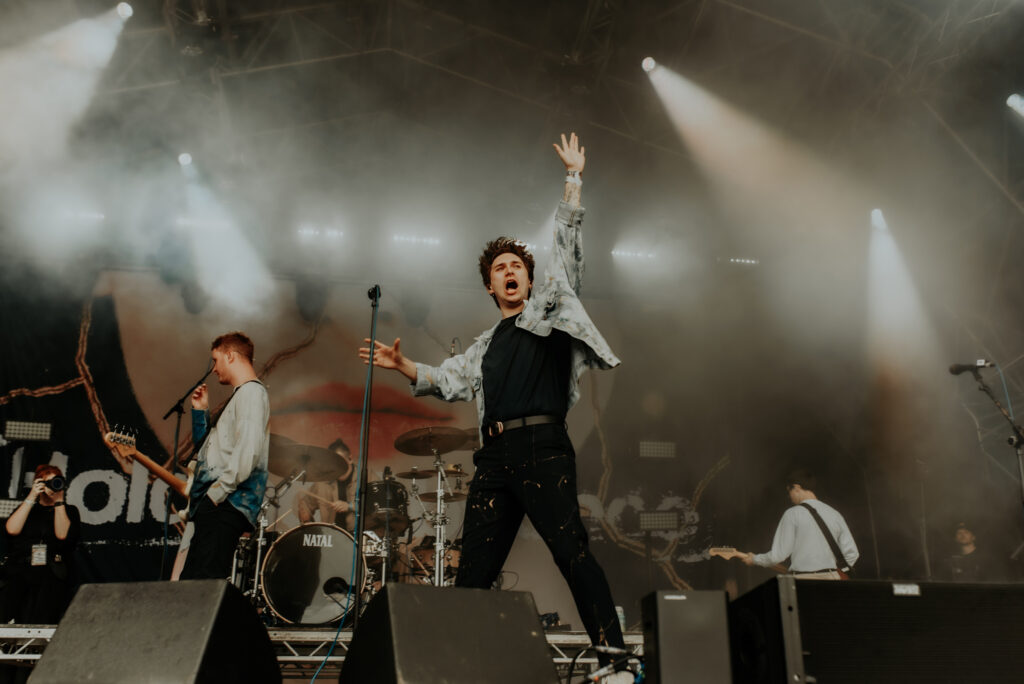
x=304, y=575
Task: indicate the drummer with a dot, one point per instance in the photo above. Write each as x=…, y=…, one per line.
x=331, y=499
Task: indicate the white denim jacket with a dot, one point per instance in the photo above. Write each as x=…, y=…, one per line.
x=553, y=304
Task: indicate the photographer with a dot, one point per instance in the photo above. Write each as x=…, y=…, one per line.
x=42, y=533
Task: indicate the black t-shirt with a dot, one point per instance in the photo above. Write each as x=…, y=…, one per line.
x=38, y=529
x=525, y=374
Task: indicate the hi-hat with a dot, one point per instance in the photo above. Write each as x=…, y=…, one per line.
x=288, y=457
x=449, y=471
x=415, y=474
x=448, y=498
x=432, y=440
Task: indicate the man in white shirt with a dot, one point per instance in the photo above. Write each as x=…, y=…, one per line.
x=800, y=538
x=231, y=472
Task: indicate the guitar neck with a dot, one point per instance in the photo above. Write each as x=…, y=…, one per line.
x=162, y=473
x=125, y=446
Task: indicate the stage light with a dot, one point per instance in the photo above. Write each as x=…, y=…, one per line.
x=659, y=521
x=416, y=240
x=878, y=220
x=632, y=254
x=184, y=158
x=124, y=10
x=1016, y=103
x=648, y=64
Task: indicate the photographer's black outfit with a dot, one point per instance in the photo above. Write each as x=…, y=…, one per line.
x=38, y=594
x=37, y=578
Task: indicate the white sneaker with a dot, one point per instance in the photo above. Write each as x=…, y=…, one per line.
x=618, y=678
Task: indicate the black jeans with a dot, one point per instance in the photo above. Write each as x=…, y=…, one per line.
x=217, y=529
x=532, y=471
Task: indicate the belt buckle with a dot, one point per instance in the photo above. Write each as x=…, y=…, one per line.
x=496, y=424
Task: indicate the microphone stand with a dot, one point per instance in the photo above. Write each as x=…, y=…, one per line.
x=179, y=409
x=1016, y=440
x=364, y=438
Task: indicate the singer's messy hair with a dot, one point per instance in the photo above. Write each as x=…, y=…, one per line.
x=499, y=246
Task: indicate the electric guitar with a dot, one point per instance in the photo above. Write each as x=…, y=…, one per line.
x=728, y=552
x=124, y=444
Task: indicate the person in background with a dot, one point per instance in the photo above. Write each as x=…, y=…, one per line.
x=38, y=574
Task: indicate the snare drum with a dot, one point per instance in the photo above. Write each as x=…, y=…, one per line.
x=302, y=566
x=387, y=502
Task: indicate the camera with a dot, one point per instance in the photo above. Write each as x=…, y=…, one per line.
x=56, y=483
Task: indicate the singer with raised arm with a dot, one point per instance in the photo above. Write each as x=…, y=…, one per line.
x=231, y=462
x=524, y=374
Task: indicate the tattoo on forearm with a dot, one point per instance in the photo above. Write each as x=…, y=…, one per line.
x=572, y=194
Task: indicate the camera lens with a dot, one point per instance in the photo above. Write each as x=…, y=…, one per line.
x=55, y=483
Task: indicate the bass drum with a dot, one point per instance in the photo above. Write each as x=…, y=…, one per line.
x=307, y=573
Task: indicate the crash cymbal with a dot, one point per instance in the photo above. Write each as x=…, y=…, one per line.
x=415, y=474
x=321, y=465
x=448, y=498
x=430, y=440
x=449, y=471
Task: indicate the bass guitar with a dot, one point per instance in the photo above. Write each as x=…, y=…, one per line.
x=124, y=444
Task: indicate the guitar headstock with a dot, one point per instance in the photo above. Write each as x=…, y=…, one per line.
x=122, y=440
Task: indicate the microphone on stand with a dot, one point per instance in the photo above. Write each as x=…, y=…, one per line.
x=958, y=368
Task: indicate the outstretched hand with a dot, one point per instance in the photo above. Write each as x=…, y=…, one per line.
x=383, y=355
x=571, y=153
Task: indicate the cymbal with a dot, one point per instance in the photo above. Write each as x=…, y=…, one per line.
x=430, y=440
x=321, y=465
x=448, y=498
x=415, y=474
x=449, y=471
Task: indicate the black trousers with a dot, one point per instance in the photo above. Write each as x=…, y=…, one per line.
x=217, y=529
x=532, y=471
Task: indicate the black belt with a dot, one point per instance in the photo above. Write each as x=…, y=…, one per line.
x=499, y=426
x=813, y=572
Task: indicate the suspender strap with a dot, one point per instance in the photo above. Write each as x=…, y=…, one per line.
x=841, y=563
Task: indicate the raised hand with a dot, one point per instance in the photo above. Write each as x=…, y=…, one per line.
x=571, y=153
x=38, y=487
x=200, y=398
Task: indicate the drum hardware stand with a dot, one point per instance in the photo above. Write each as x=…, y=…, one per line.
x=272, y=498
x=440, y=521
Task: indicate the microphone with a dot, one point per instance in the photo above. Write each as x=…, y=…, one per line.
x=958, y=368
x=373, y=293
x=335, y=585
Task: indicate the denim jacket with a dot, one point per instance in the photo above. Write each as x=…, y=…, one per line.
x=232, y=462
x=553, y=305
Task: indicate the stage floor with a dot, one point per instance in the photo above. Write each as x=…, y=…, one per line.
x=300, y=651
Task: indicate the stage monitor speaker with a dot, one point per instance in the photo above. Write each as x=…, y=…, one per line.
x=159, y=632
x=790, y=630
x=429, y=635
x=686, y=637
